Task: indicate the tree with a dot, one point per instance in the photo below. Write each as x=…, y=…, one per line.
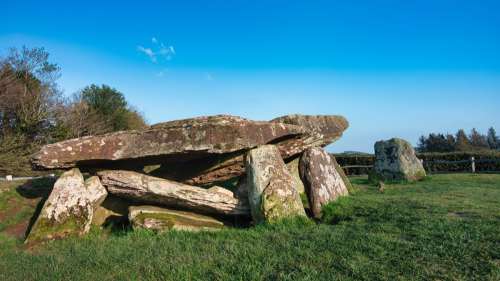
x=29, y=106
x=462, y=142
x=33, y=112
x=422, y=144
x=100, y=109
x=492, y=138
x=478, y=141
x=437, y=143
x=28, y=92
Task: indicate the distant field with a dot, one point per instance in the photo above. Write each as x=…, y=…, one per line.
x=444, y=228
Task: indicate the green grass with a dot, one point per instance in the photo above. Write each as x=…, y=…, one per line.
x=444, y=228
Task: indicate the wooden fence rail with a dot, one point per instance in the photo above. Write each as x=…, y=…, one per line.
x=428, y=163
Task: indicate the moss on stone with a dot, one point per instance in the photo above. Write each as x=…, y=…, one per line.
x=45, y=230
x=168, y=221
x=275, y=207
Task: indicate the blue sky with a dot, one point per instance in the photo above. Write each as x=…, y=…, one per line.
x=393, y=68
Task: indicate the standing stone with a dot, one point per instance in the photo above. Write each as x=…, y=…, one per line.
x=271, y=188
x=161, y=219
x=395, y=160
x=321, y=179
x=70, y=207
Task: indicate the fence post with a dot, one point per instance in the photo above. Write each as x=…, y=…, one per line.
x=473, y=164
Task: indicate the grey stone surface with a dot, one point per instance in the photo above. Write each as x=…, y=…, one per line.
x=70, y=207
x=271, y=188
x=395, y=160
x=161, y=219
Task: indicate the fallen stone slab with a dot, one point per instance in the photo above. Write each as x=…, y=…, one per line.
x=322, y=181
x=161, y=219
x=151, y=190
x=271, y=188
x=395, y=160
x=69, y=208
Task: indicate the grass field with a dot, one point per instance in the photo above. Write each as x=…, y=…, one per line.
x=444, y=228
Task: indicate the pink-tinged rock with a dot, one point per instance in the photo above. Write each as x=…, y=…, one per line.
x=323, y=183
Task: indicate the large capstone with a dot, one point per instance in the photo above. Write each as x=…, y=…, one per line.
x=69, y=209
x=271, y=188
x=194, y=151
x=160, y=219
x=322, y=181
x=329, y=127
x=395, y=160
x=157, y=191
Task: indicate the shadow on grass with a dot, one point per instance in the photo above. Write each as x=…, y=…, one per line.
x=34, y=189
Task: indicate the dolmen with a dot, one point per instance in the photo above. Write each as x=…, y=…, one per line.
x=192, y=174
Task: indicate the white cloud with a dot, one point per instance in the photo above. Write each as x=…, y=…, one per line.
x=148, y=52
x=163, y=51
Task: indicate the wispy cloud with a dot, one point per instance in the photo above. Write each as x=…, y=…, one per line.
x=166, y=52
x=158, y=51
x=148, y=52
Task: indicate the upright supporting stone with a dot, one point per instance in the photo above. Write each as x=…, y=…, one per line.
x=271, y=187
x=321, y=179
x=70, y=207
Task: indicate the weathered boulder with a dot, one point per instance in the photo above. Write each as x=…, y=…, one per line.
x=321, y=179
x=161, y=219
x=271, y=189
x=69, y=209
x=150, y=190
x=395, y=160
x=329, y=127
x=194, y=151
